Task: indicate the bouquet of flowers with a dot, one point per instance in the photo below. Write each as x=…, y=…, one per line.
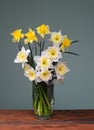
x=41, y=55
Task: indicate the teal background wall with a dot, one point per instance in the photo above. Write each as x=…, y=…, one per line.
x=73, y=17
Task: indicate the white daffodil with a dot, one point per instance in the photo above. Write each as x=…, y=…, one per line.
x=43, y=61
x=56, y=38
x=31, y=74
x=61, y=69
x=22, y=56
x=26, y=66
x=45, y=75
x=54, y=53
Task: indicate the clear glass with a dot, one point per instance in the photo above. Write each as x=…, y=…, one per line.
x=43, y=99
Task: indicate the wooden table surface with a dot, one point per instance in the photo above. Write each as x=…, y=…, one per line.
x=61, y=120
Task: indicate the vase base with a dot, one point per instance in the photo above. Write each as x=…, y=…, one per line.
x=43, y=117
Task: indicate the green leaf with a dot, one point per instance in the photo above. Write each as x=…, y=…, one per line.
x=74, y=41
x=69, y=52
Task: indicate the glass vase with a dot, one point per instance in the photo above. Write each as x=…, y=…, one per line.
x=43, y=100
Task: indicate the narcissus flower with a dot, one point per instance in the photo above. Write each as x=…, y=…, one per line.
x=31, y=74
x=43, y=61
x=26, y=66
x=61, y=69
x=17, y=35
x=65, y=43
x=42, y=30
x=54, y=53
x=30, y=37
x=56, y=38
x=45, y=75
x=22, y=56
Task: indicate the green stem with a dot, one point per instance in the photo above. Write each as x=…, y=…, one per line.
x=35, y=49
x=36, y=101
x=32, y=60
x=43, y=46
x=41, y=102
x=19, y=46
x=30, y=50
x=41, y=97
x=45, y=106
x=45, y=97
x=40, y=48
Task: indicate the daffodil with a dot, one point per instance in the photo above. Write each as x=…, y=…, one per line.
x=30, y=36
x=17, y=35
x=22, y=56
x=54, y=53
x=61, y=69
x=31, y=74
x=65, y=43
x=26, y=66
x=43, y=61
x=45, y=75
x=42, y=30
x=56, y=38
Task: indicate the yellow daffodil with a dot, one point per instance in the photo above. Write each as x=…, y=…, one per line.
x=17, y=35
x=30, y=36
x=54, y=53
x=65, y=43
x=31, y=74
x=42, y=30
x=45, y=75
x=22, y=56
x=56, y=38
